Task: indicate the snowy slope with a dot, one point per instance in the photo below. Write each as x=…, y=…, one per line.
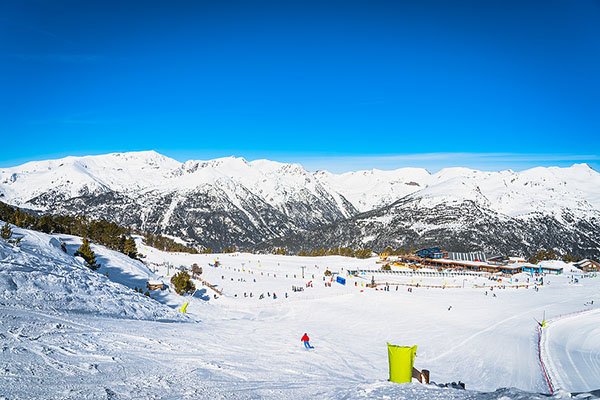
x=38, y=275
x=572, y=345
x=71, y=333
x=368, y=190
x=75, y=176
x=548, y=191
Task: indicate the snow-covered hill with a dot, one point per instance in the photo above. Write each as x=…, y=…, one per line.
x=71, y=333
x=38, y=275
x=230, y=201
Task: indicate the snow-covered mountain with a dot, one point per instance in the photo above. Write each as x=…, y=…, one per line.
x=230, y=201
x=216, y=203
x=463, y=210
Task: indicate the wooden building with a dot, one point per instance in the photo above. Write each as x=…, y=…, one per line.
x=155, y=285
x=588, y=265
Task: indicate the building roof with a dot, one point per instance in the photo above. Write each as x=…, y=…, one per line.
x=542, y=267
x=586, y=262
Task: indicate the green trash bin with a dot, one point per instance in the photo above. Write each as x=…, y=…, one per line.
x=401, y=360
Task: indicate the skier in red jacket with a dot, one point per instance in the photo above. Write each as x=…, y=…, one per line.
x=305, y=339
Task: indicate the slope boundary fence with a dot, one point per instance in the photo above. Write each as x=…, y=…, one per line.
x=418, y=273
x=541, y=340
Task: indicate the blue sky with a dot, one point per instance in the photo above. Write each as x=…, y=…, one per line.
x=333, y=85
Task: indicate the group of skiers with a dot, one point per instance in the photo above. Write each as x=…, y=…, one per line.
x=262, y=295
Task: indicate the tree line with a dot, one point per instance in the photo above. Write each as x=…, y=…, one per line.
x=108, y=234
x=167, y=244
x=543, y=255
x=338, y=251
x=102, y=232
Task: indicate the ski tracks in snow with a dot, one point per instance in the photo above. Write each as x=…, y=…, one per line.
x=570, y=351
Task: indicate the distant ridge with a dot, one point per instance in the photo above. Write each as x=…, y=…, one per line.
x=231, y=201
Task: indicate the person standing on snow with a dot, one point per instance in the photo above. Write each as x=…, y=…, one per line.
x=305, y=339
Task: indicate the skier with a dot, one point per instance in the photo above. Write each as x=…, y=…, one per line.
x=305, y=339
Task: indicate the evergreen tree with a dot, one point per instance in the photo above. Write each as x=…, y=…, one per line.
x=182, y=283
x=45, y=224
x=85, y=251
x=129, y=248
x=6, y=231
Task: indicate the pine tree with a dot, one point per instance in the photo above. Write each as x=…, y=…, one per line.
x=87, y=254
x=182, y=283
x=6, y=231
x=129, y=248
x=45, y=224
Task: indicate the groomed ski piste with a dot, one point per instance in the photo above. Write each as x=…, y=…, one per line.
x=71, y=333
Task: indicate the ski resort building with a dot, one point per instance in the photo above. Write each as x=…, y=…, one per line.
x=470, y=256
x=541, y=269
x=588, y=265
x=477, y=266
x=432, y=252
x=517, y=260
x=155, y=285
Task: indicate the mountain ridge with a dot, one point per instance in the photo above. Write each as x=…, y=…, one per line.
x=231, y=201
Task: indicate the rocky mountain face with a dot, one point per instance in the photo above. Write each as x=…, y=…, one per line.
x=217, y=203
x=459, y=227
x=264, y=204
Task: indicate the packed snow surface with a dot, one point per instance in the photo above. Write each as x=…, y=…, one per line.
x=68, y=332
x=572, y=342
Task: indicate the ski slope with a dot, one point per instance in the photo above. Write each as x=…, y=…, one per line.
x=68, y=332
x=572, y=344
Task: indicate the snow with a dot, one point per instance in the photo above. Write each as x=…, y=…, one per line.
x=574, y=345
x=68, y=332
x=73, y=176
x=38, y=275
x=368, y=190
x=550, y=191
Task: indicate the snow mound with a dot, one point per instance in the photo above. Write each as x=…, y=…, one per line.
x=39, y=275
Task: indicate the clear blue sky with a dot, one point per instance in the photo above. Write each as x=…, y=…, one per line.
x=336, y=85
